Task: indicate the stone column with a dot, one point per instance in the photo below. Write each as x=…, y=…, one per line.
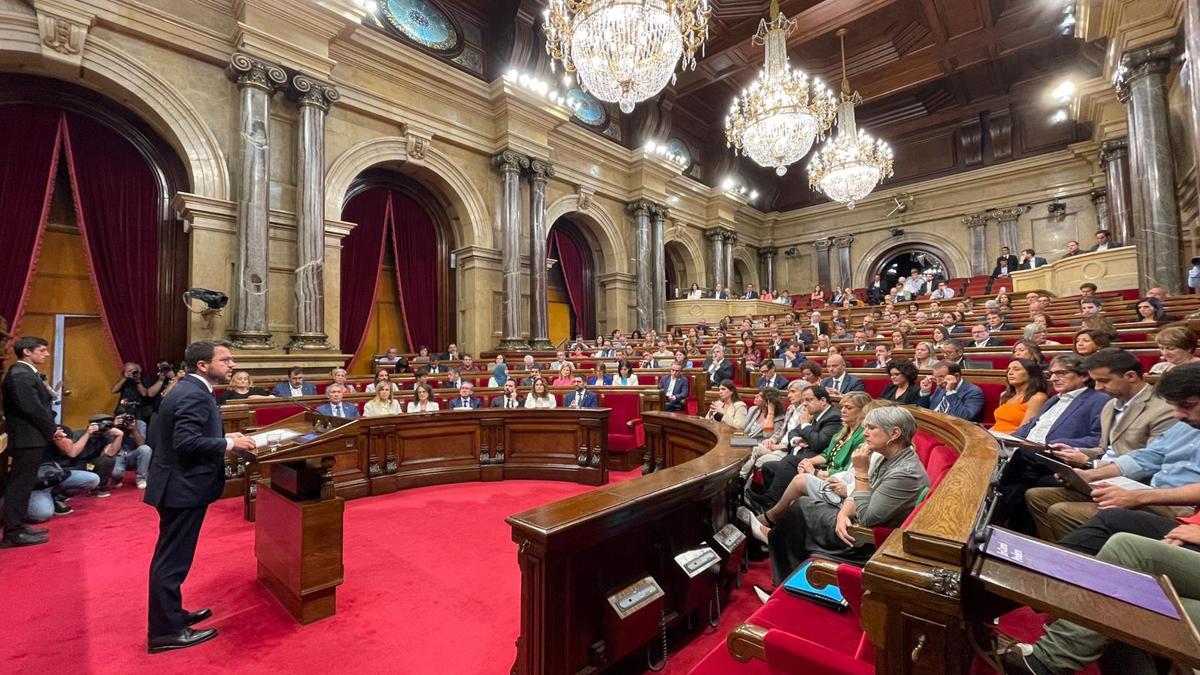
x=1142, y=87
x=843, y=254
x=641, y=210
x=1114, y=159
x=257, y=82
x=657, y=216
x=730, y=242
x=823, y=275
x=539, y=318
x=1007, y=218
x=1100, y=203
x=313, y=99
x=766, y=257
x=1191, y=71
x=510, y=164
x=716, y=267
x=977, y=236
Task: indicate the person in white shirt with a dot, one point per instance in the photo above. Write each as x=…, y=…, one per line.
x=382, y=404
x=695, y=293
x=422, y=400
x=540, y=396
x=943, y=292
x=1194, y=275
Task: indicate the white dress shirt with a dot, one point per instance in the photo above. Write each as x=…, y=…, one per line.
x=1038, y=433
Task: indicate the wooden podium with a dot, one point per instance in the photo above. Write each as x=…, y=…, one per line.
x=298, y=519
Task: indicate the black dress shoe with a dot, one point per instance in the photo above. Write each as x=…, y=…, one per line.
x=181, y=640
x=22, y=538
x=35, y=531
x=197, y=616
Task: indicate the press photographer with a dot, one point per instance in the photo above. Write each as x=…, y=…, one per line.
x=102, y=441
x=140, y=394
x=134, y=451
x=56, y=481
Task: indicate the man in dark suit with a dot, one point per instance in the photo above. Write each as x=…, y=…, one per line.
x=1030, y=260
x=30, y=424
x=719, y=294
x=875, y=291
x=995, y=322
x=581, y=397
x=466, y=399
x=839, y=381
x=335, y=407
x=980, y=337
x=952, y=352
x=808, y=439
x=1009, y=258
x=1104, y=242
x=946, y=391
x=510, y=399
x=186, y=475
x=769, y=378
x=718, y=368
x=1072, y=250
x=294, y=386
x=751, y=294
x=1072, y=415
x=675, y=389
x=928, y=285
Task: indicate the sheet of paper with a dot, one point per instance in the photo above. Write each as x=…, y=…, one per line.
x=266, y=438
x=1123, y=483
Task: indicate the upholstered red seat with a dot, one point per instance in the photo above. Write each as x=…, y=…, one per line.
x=876, y=384
x=626, y=407
x=270, y=415
x=991, y=399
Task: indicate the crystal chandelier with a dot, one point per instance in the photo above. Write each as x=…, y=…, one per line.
x=625, y=50
x=852, y=163
x=784, y=111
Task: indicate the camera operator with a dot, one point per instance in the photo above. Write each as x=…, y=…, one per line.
x=102, y=441
x=134, y=450
x=138, y=393
x=55, y=482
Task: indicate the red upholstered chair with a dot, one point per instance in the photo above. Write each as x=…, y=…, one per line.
x=1148, y=359
x=991, y=399
x=270, y=415
x=876, y=384
x=626, y=408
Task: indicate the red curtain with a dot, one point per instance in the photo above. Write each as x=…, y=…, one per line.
x=362, y=257
x=576, y=271
x=117, y=204
x=29, y=146
x=415, y=248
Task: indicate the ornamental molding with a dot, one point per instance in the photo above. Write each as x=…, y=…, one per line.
x=62, y=34
x=822, y=245
x=584, y=197
x=973, y=220
x=250, y=71
x=540, y=170
x=510, y=161
x=308, y=91
x=843, y=241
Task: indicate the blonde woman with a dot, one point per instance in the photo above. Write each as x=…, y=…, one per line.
x=540, y=396
x=566, y=376
x=339, y=377
x=382, y=404
x=422, y=400
x=923, y=356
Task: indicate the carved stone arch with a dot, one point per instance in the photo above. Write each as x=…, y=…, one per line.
x=416, y=158
x=955, y=258
x=687, y=257
x=107, y=70
x=747, y=266
x=604, y=233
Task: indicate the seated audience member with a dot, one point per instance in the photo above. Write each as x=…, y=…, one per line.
x=1072, y=250
x=904, y=387
x=1067, y=647
x=767, y=411
x=601, y=378
x=535, y=372
x=499, y=376
x=540, y=396
x=718, y=368
x=883, y=357
x=981, y=337
x=56, y=482
x=946, y=391
x=1104, y=241
x=1036, y=333
x=1091, y=536
x=924, y=356
x=674, y=388
x=774, y=446
x=792, y=357
x=694, y=293
x=468, y=365
x=899, y=340
x=1088, y=290
x=810, y=372
x=134, y=451
x=451, y=353
x=1030, y=260
x=335, y=406
x=510, y=399
x=860, y=342
x=882, y=494
x=1025, y=392
x=1176, y=346
x=1151, y=310
x=1028, y=350
x=939, y=336
x=952, y=351
x=943, y=292
x=1002, y=270
x=466, y=399
x=728, y=408
x=454, y=379
x=566, y=377
x=339, y=376
x=625, y=376
x=1088, y=341
x=1169, y=460
x=1072, y=415
x=839, y=381
x=750, y=293
x=241, y=387
x=817, y=297
x=580, y=397
x=392, y=356
x=422, y=400
x=102, y=441
x=996, y=321
x=527, y=363
x=382, y=378
x=1089, y=307
x=383, y=403
x=817, y=427
x=422, y=378
x=295, y=385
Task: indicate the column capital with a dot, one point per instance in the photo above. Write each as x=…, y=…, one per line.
x=641, y=207
x=249, y=71
x=823, y=245
x=1114, y=149
x=714, y=233
x=843, y=241
x=540, y=170
x=1141, y=62
x=1099, y=194
x=730, y=236
x=765, y=252
x=308, y=91
x=1008, y=215
x=510, y=161
x=973, y=220
x=660, y=213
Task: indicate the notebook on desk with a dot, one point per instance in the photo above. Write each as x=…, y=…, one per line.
x=830, y=596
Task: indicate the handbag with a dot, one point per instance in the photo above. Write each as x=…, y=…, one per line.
x=50, y=475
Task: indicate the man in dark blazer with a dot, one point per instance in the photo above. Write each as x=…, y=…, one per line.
x=1009, y=258
x=30, y=425
x=335, y=407
x=1104, y=242
x=1072, y=415
x=674, y=389
x=718, y=368
x=1031, y=260
x=581, y=397
x=294, y=386
x=466, y=399
x=946, y=391
x=808, y=439
x=510, y=399
x=769, y=378
x=980, y=337
x=187, y=473
x=719, y=294
x=1072, y=250
x=839, y=381
x=751, y=294
x=875, y=291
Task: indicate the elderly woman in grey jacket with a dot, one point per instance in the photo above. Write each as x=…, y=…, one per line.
x=883, y=493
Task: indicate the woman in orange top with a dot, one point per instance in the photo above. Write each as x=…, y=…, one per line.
x=1024, y=396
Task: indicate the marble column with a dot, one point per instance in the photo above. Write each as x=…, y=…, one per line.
x=657, y=246
x=716, y=268
x=823, y=275
x=977, y=236
x=1191, y=73
x=641, y=211
x=843, y=254
x=730, y=242
x=1142, y=87
x=257, y=81
x=766, y=256
x=1114, y=159
x=1100, y=203
x=1007, y=219
x=313, y=99
x=539, y=318
x=510, y=164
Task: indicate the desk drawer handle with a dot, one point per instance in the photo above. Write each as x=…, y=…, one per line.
x=916, y=652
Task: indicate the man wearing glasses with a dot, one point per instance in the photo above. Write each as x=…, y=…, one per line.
x=1072, y=415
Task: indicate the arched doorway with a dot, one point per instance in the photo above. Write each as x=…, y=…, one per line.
x=571, y=284
x=678, y=280
x=901, y=260
x=398, y=286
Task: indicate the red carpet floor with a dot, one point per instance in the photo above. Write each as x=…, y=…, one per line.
x=432, y=586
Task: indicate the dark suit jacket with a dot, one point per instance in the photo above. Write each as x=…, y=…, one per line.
x=1078, y=251
x=990, y=342
x=927, y=287
x=187, y=468
x=680, y=392
x=1111, y=245
x=849, y=383
x=723, y=372
x=474, y=402
x=819, y=433
x=752, y=295
x=965, y=404
x=874, y=294
x=27, y=408
x=721, y=296
x=776, y=381
x=588, y=400
x=1041, y=262
x=1078, y=426
x=498, y=402
x=1012, y=262
x=997, y=271
x=284, y=389
x=349, y=410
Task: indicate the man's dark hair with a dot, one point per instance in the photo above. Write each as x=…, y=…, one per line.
x=819, y=392
x=1179, y=383
x=950, y=366
x=296, y=370
x=1089, y=285
x=1104, y=232
x=1118, y=361
x=769, y=364
x=202, y=350
x=1029, y=251
x=1093, y=300
x=953, y=343
x=28, y=342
